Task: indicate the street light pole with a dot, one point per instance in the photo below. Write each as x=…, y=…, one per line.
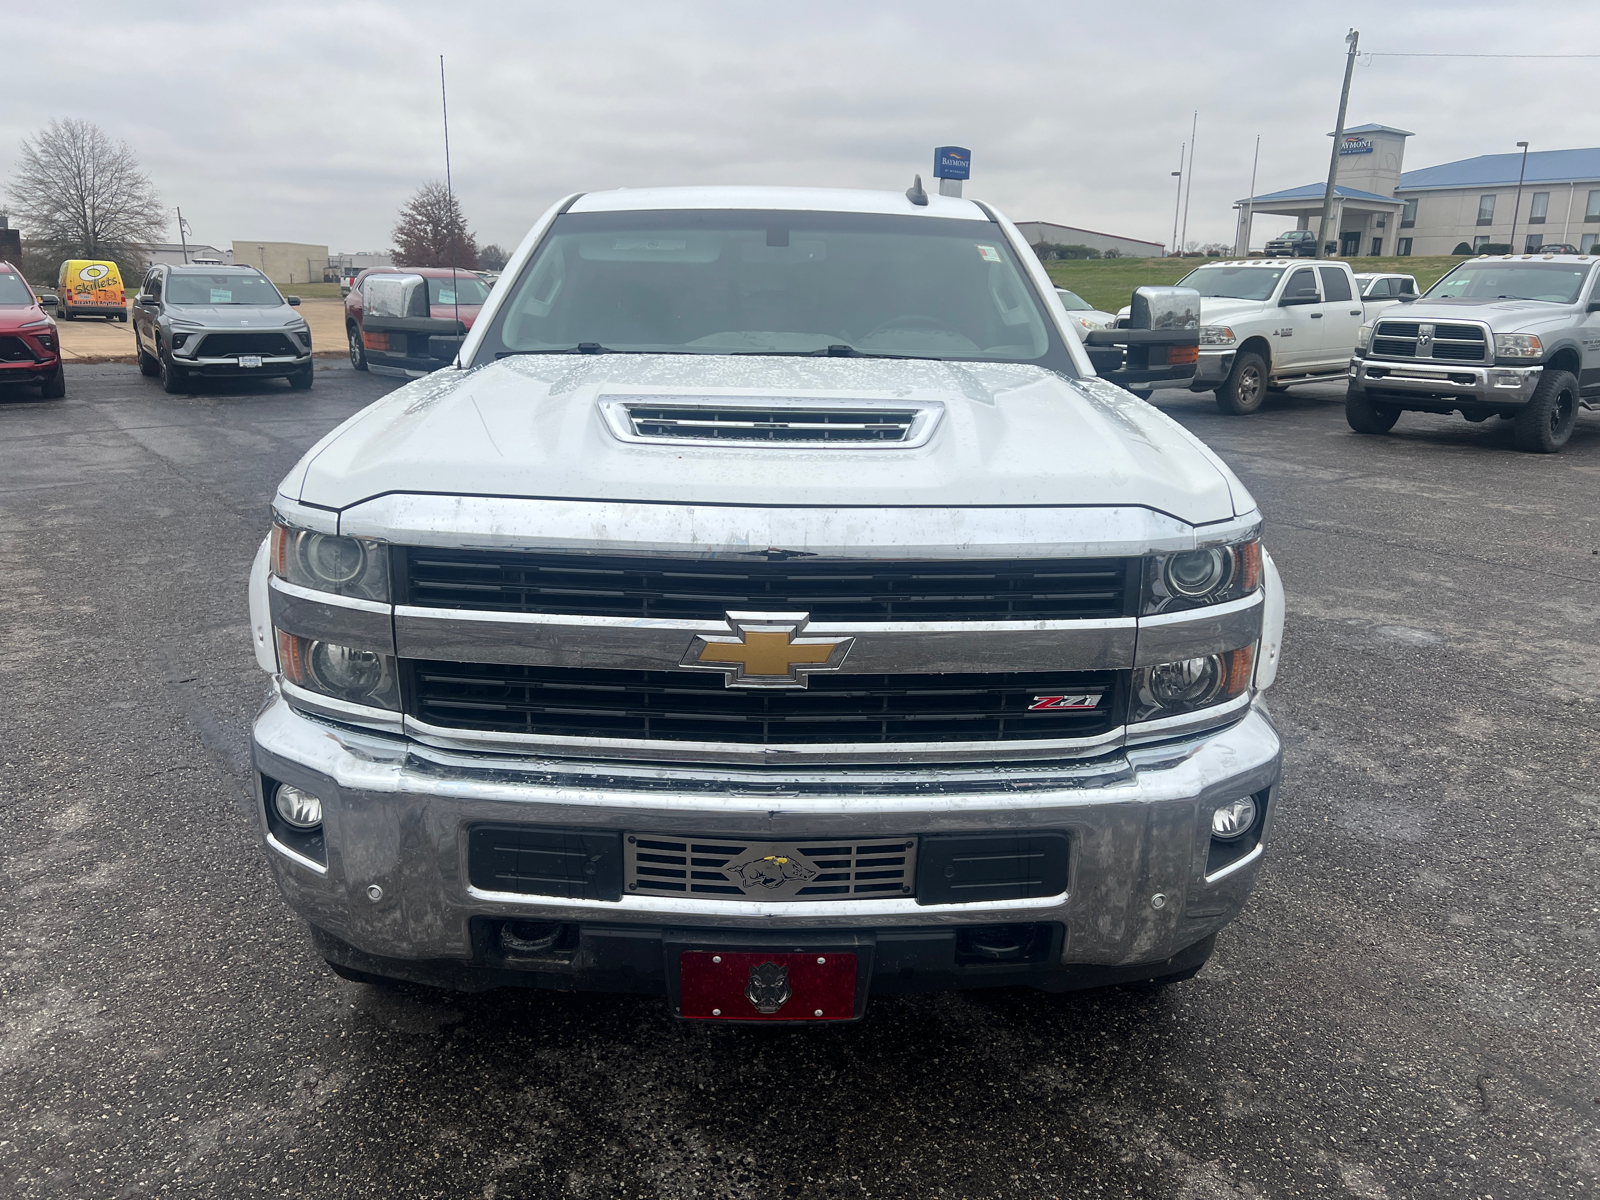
x=1353, y=38
x=1250, y=203
x=1189, y=184
x=1178, y=175
x=1516, y=210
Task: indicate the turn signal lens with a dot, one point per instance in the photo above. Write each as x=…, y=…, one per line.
x=1233, y=820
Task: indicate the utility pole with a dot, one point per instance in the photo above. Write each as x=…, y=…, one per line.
x=1516, y=211
x=1249, y=204
x=182, y=239
x=1354, y=39
x=1189, y=189
x=1177, y=200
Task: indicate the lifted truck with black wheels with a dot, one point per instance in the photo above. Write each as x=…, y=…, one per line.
x=1512, y=336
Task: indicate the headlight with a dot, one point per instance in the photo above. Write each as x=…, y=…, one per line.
x=1216, y=335
x=1517, y=345
x=1193, y=578
x=1172, y=689
x=1233, y=820
x=343, y=672
x=347, y=566
x=1363, y=337
x=44, y=324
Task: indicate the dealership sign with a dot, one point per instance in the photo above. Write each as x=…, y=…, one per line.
x=1356, y=145
x=952, y=162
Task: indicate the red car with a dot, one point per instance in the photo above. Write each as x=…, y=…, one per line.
x=30, y=348
x=411, y=320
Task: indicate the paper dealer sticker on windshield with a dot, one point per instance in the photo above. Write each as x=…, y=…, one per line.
x=988, y=254
x=221, y=296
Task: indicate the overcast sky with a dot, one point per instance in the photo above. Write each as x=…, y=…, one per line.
x=313, y=122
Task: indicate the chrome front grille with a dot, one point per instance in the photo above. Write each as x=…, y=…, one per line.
x=1421, y=340
x=715, y=421
x=659, y=864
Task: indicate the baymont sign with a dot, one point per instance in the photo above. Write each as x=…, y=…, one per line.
x=1356, y=145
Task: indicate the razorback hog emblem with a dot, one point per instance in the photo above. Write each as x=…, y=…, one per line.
x=771, y=871
x=768, y=988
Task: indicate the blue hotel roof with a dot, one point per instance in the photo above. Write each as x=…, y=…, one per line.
x=1315, y=191
x=1500, y=170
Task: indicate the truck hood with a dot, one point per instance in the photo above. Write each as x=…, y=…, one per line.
x=1501, y=315
x=532, y=426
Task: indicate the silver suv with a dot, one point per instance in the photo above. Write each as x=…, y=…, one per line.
x=198, y=322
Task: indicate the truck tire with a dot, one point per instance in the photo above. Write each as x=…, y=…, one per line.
x=1366, y=415
x=1246, y=388
x=358, y=352
x=1546, y=421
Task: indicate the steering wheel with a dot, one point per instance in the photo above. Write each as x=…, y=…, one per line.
x=908, y=321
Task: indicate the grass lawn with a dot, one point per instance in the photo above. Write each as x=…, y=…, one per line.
x=1108, y=283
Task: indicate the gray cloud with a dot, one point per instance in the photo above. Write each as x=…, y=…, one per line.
x=314, y=121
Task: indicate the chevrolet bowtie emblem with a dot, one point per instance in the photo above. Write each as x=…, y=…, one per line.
x=766, y=651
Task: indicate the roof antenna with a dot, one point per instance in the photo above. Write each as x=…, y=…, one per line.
x=915, y=194
x=450, y=197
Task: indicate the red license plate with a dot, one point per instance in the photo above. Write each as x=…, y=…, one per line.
x=737, y=985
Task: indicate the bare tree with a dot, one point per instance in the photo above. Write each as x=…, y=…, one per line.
x=493, y=257
x=83, y=195
x=432, y=232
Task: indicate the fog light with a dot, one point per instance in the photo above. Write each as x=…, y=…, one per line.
x=1508, y=379
x=302, y=810
x=1233, y=820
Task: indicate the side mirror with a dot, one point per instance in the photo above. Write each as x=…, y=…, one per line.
x=1594, y=306
x=294, y=301
x=1301, y=296
x=48, y=298
x=1164, y=308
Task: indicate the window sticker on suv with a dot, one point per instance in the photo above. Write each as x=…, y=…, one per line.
x=221, y=296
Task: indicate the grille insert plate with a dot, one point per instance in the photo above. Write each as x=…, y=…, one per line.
x=778, y=421
x=660, y=864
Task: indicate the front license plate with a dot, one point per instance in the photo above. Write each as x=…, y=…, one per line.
x=249, y=360
x=723, y=985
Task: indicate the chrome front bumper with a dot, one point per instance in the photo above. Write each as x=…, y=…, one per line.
x=396, y=816
x=1449, y=381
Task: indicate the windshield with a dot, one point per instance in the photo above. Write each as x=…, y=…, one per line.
x=1073, y=302
x=745, y=282
x=464, y=289
x=1559, y=283
x=1234, y=283
x=188, y=288
x=13, y=290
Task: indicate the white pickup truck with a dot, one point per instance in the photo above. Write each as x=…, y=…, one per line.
x=1269, y=323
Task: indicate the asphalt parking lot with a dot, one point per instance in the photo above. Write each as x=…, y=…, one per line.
x=1407, y=1009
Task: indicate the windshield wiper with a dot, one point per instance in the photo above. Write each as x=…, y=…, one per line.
x=580, y=348
x=838, y=350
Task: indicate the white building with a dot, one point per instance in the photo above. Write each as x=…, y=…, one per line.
x=1067, y=235
x=1381, y=209
x=173, y=253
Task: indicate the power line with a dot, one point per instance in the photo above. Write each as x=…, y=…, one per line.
x=1405, y=54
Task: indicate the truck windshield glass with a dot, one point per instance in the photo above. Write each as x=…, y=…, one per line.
x=256, y=290
x=13, y=290
x=1233, y=283
x=464, y=289
x=748, y=282
x=1559, y=283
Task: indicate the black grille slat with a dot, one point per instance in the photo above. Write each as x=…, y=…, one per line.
x=736, y=424
x=1013, y=589
x=14, y=349
x=230, y=345
x=667, y=705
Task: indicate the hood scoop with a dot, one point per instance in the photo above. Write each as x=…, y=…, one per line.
x=718, y=421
